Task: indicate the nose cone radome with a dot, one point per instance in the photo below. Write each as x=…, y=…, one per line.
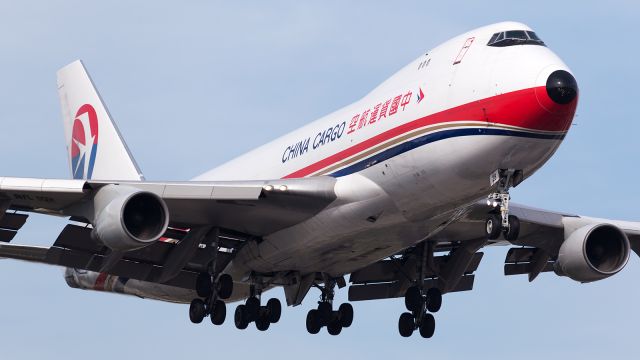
x=562, y=87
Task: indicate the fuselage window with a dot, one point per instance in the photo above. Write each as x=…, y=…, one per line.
x=515, y=37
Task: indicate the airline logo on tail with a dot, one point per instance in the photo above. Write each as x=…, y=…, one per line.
x=84, y=142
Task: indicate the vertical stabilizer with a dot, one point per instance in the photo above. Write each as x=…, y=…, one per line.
x=95, y=147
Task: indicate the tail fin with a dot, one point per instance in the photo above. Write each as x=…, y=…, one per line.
x=87, y=123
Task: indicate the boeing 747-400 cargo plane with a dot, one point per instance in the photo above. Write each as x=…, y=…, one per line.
x=399, y=191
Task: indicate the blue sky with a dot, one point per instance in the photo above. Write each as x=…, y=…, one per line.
x=193, y=84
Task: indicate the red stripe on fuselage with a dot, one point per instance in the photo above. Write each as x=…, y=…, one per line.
x=531, y=109
x=100, y=281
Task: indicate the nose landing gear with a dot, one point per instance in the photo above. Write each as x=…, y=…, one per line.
x=499, y=221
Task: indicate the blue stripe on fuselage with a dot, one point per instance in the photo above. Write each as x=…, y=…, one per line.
x=433, y=137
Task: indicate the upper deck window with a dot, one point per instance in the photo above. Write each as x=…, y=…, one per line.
x=515, y=37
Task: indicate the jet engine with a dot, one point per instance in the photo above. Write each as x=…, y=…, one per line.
x=127, y=218
x=593, y=252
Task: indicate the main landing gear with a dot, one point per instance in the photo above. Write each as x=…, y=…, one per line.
x=212, y=288
x=252, y=311
x=214, y=291
x=324, y=315
x=499, y=221
x=421, y=301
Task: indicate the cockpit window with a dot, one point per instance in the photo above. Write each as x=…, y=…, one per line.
x=515, y=37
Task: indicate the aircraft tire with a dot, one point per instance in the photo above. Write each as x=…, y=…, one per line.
x=334, y=327
x=225, y=286
x=413, y=299
x=203, y=285
x=253, y=308
x=434, y=300
x=493, y=227
x=512, y=233
x=219, y=313
x=345, y=312
x=325, y=313
x=274, y=309
x=262, y=322
x=427, y=326
x=406, y=324
x=313, y=322
x=196, y=311
x=241, y=317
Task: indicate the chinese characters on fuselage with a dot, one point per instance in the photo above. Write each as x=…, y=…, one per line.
x=379, y=112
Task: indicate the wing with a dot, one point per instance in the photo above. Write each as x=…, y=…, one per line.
x=540, y=231
x=253, y=207
x=451, y=255
x=202, y=223
x=238, y=211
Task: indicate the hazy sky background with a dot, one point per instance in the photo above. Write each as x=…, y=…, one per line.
x=195, y=83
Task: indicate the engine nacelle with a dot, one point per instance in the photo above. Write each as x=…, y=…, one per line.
x=593, y=252
x=127, y=218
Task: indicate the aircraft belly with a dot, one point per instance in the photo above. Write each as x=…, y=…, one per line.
x=447, y=174
x=399, y=202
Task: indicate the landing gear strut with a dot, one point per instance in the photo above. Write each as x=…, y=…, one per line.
x=252, y=311
x=499, y=221
x=420, y=302
x=324, y=315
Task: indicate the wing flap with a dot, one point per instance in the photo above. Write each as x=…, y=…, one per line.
x=7, y=235
x=76, y=245
x=525, y=268
x=125, y=268
x=71, y=250
x=13, y=221
x=22, y=252
x=390, y=270
x=395, y=289
x=10, y=223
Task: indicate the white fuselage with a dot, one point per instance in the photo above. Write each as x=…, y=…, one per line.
x=442, y=125
x=454, y=124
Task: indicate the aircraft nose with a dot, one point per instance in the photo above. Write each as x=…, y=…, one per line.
x=562, y=87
